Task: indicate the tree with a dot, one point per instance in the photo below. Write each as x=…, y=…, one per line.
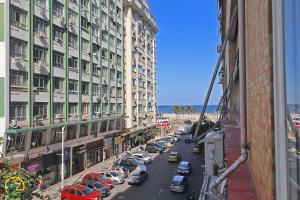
x=10, y=190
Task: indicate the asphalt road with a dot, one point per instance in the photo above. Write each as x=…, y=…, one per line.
x=161, y=172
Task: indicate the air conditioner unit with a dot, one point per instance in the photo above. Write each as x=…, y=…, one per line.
x=214, y=152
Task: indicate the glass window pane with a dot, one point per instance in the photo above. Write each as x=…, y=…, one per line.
x=292, y=73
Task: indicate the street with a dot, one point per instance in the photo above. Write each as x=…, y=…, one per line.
x=161, y=172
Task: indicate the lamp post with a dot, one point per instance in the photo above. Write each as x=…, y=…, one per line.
x=63, y=149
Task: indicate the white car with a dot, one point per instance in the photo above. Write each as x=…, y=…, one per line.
x=114, y=176
x=143, y=156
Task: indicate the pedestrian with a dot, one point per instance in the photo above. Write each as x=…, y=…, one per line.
x=129, y=149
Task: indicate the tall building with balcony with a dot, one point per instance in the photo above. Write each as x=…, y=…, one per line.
x=139, y=66
x=61, y=66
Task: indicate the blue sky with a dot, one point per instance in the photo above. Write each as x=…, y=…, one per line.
x=186, y=50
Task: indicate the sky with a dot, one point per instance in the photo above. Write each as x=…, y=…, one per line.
x=186, y=50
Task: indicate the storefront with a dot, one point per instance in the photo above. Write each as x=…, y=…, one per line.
x=94, y=152
x=78, y=159
x=117, y=145
x=107, y=147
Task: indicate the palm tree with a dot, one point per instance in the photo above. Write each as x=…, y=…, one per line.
x=175, y=110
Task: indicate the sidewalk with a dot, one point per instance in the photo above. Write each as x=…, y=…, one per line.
x=53, y=191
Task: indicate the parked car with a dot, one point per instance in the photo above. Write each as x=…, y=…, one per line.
x=95, y=177
x=184, y=167
x=79, y=192
x=161, y=145
x=143, y=156
x=179, y=184
x=198, y=148
x=188, y=139
x=135, y=159
x=164, y=142
x=137, y=177
x=100, y=187
x=122, y=170
x=114, y=176
x=132, y=165
x=153, y=148
x=174, y=157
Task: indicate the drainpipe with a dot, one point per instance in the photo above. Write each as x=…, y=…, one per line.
x=243, y=114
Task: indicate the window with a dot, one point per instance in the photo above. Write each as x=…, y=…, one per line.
x=104, y=53
x=58, y=59
x=95, y=9
x=40, y=110
x=84, y=66
x=36, y=139
x=39, y=53
x=58, y=8
x=95, y=49
x=85, y=45
x=18, y=18
x=17, y=111
x=85, y=108
x=40, y=2
x=94, y=128
x=104, y=17
x=95, y=29
x=58, y=34
x=58, y=84
x=112, y=57
x=73, y=109
x=84, y=24
x=84, y=3
x=96, y=108
x=58, y=108
x=85, y=88
x=73, y=63
x=39, y=26
x=119, y=43
x=96, y=89
x=72, y=17
x=104, y=35
x=112, y=75
x=40, y=82
x=71, y=133
x=83, y=130
x=18, y=78
x=18, y=48
x=96, y=70
x=15, y=142
x=73, y=87
x=73, y=41
x=118, y=11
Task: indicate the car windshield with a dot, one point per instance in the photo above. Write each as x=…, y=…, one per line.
x=98, y=185
x=183, y=166
x=87, y=191
x=114, y=174
x=103, y=178
x=176, y=183
x=173, y=154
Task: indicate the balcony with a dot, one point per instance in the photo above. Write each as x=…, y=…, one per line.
x=58, y=96
x=19, y=96
x=18, y=30
x=20, y=4
x=18, y=63
x=41, y=96
x=59, y=20
x=41, y=11
x=58, y=45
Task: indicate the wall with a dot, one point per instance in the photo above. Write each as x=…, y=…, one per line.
x=260, y=97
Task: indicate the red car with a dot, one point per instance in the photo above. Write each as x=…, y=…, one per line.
x=79, y=192
x=95, y=177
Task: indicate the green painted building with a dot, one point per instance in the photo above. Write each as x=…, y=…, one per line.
x=61, y=65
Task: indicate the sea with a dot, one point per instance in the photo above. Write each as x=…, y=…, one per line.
x=168, y=109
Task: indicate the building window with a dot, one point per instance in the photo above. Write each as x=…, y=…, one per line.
x=73, y=63
x=95, y=29
x=15, y=142
x=85, y=45
x=39, y=26
x=94, y=129
x=96, y=70
x=292, y=61
x=18, y=18
x=104, y=53
x=73, y=109
x=85, y=109
x=18, y=78
x=84, y=3
x=85, y=88
x=40, y=110
x=58, y=109
x=95, y=9
x=83, y=130
x=84, y=24
x=71, y=133
x=36, y=139
x=96, y=108
x=96, y=89
x=73, y=41
x=73, y=85
x=40, y=2
x=58, y=8
x=40, y=82
x=58, y=34
x=112, y=57
x=58, y=84
x=58, y=59
x=18, y=48
x=84, y=66
x=39, y=54
x=72, y=17
x=17, y=111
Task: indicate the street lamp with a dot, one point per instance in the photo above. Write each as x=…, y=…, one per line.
x=63, y=148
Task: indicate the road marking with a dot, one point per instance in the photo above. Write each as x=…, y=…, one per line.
x=160, y=191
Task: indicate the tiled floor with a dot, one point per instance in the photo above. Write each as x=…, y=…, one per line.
x=240, y=186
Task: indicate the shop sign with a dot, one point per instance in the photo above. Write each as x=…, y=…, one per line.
x=117, y=140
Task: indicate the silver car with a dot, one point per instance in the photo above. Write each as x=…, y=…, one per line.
x=114, y=176
x=143, y=156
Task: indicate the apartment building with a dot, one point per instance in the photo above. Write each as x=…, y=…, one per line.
x=139, y=68
x=61, y=66
x=259, y=73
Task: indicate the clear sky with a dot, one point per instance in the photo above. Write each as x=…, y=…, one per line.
x=186, y=50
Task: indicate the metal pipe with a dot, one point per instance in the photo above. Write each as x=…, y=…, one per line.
x=243, y=114
x=216, y=70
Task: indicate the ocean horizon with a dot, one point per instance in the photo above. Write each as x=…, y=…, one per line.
x=168, y=109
